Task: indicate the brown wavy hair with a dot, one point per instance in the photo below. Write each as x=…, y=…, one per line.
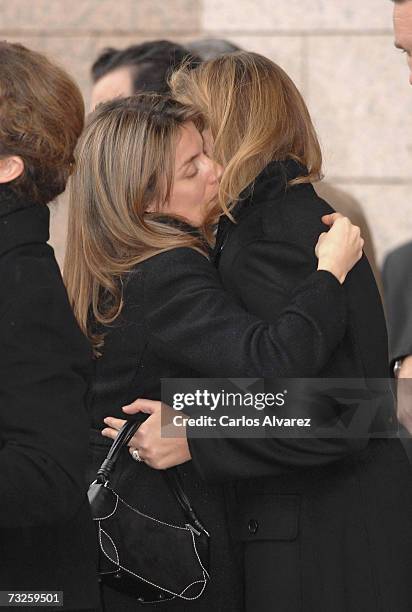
x=41, y=118
x=256, y=115
x=124, y=165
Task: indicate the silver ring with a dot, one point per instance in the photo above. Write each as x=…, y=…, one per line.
x=136, y=456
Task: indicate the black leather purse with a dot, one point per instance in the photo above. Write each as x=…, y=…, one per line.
x=140, y=555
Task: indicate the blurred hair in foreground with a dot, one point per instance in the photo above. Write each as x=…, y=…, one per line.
x=41, y=118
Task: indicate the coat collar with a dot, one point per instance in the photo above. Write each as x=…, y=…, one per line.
x=271, y=182
x=177, y=222
x=182, y=225
x=21, y=222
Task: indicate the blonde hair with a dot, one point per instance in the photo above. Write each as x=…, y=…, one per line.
x=124, y=164
x=256, y=115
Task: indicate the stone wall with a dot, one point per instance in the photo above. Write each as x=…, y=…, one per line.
x=339, y=52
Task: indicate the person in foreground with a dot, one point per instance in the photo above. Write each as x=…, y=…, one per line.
x=143, y=289
x=321, y=524
x=46, y=533
x=396, y=266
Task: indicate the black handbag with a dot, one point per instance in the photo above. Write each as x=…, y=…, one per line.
x=140, y=555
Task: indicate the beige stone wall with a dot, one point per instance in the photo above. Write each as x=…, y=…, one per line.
x=339, y=52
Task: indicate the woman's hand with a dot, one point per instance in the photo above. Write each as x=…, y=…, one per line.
x=156, y=451
x=339, y=249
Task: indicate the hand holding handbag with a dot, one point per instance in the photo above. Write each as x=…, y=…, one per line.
x=140, y=555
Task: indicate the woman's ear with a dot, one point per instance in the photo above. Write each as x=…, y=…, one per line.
x=11, y=168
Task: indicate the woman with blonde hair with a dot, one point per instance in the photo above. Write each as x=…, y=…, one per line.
x=143, y=290
x=312, y=536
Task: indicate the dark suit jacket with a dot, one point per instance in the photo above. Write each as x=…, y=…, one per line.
x=46, y=534
x=322, y=524
x=397, y=284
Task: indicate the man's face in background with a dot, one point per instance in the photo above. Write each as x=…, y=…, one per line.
x=402, y=21
x=115, y=84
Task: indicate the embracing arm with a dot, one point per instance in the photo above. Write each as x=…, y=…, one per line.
x=193, y=321
x=260, y=280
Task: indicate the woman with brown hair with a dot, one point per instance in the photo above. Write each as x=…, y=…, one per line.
x=324, y=537
x=46, y=532
x=143, y=289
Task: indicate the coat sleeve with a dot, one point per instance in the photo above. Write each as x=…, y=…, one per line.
x=191, y=320
x=44, y=365
x=265, y=290
x=397, y=282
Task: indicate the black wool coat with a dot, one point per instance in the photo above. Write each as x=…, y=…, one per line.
x=47, y=539
x=178, y=322
x=320, y=525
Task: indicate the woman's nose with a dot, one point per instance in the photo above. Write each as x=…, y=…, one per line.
x=218, y=170
x=215, y=170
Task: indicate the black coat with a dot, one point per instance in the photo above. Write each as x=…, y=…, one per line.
x=397, y=284
x=321, y=525
x=46, y=533
x=178, y=322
